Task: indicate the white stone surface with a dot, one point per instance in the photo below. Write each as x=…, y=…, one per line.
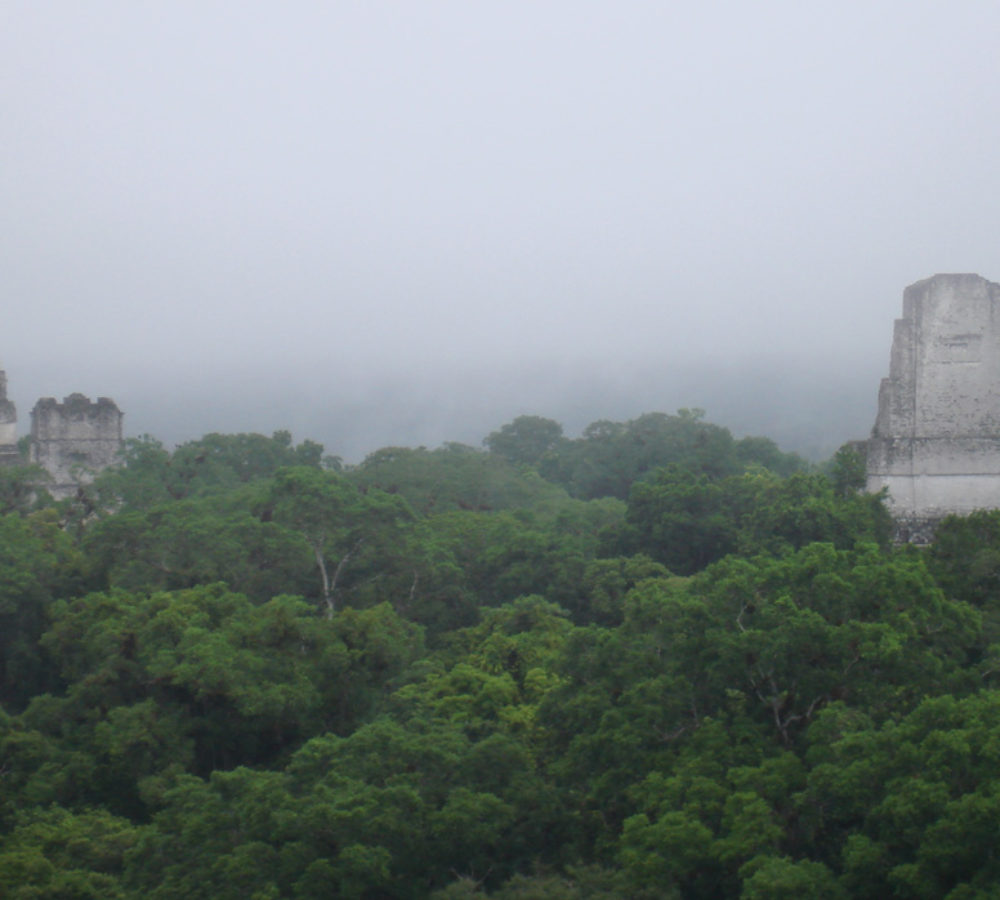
x=936, y=441
x=74, y=440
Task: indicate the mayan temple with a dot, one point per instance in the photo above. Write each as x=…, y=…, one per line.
x=74, y=440
x=936, y=440
x=9, y=453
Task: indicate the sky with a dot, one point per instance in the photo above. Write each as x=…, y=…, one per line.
x=396, y=223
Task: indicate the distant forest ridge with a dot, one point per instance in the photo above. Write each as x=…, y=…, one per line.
x=809, y=407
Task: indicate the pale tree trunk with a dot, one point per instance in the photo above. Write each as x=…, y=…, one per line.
x=330, y=582
x=327, y=591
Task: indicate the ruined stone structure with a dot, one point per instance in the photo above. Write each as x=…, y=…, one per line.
x=936, y=440
x=9, y=454
x=74, y=440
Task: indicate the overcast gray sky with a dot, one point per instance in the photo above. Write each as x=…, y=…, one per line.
x=334, y=203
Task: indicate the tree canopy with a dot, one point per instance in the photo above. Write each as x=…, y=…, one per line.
x=652, y=661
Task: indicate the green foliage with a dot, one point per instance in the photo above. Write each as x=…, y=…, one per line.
x=22, y=489
x=915, y=803
x=965, y=558
x=338, y=523
x=525, y=440
x=660, y=662
x=150, y=474
x=780, y=878
x=55, y=854
x=611, y=456
x=38, y=562
x=182, y=544
x=456, y=477
x=503, y=557
x=607, y=581
x=682, y=519
x=202, y=678
x=687, y=520
x=847, y=470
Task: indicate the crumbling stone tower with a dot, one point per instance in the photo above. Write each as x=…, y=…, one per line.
x=9, y=454
x=75, y=439
x=936, y=440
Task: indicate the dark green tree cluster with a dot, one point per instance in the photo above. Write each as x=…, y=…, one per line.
x=610, y=457
x=652, y=662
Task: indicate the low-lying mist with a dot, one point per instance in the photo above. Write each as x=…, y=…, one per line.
x=807, y=407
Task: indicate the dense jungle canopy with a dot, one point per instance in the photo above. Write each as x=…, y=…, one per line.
x=654, y=661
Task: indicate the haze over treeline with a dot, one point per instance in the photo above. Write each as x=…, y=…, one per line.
x=387, y=224
x=796, y=405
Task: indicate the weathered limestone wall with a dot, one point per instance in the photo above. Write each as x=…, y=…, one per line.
x=936, y=440
x=8, y=426
x=75, y=439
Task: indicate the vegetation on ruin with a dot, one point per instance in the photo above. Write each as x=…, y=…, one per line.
x=653, y=661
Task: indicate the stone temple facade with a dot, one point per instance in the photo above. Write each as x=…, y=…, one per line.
x=72, y=440
x=936, y=440
x=9, y=454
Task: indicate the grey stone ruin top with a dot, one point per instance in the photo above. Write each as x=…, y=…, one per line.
x=74, y=440
x=936, y=440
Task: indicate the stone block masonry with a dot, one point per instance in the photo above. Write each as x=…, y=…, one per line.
x=936, y=440
x=72, y=440
x=75, y=439
x=9, y=454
